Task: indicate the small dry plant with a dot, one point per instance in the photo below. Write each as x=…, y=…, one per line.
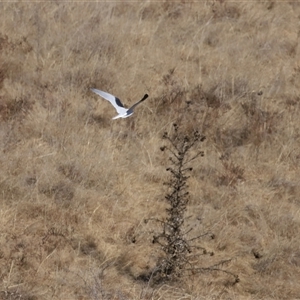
x=178, y=258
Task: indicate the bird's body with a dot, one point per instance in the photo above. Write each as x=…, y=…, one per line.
x=117, y=104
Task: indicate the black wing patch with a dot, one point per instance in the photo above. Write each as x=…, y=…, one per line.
x=119, y=103
x=145, y=97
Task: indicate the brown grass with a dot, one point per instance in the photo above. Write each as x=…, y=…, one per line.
x=76, y=187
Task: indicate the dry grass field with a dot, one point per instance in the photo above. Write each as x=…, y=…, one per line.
x=76, y=186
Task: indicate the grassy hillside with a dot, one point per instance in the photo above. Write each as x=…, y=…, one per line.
x=76, y=187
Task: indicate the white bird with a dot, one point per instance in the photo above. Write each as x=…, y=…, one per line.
x=117, y=104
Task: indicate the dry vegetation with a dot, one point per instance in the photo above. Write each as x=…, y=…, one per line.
x=76, y=187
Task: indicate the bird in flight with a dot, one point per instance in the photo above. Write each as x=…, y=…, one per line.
x=117, y=104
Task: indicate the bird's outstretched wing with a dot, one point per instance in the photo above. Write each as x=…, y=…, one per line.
x=130, y=109
x=116, y=102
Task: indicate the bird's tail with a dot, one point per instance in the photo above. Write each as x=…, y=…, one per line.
x=117, y=117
